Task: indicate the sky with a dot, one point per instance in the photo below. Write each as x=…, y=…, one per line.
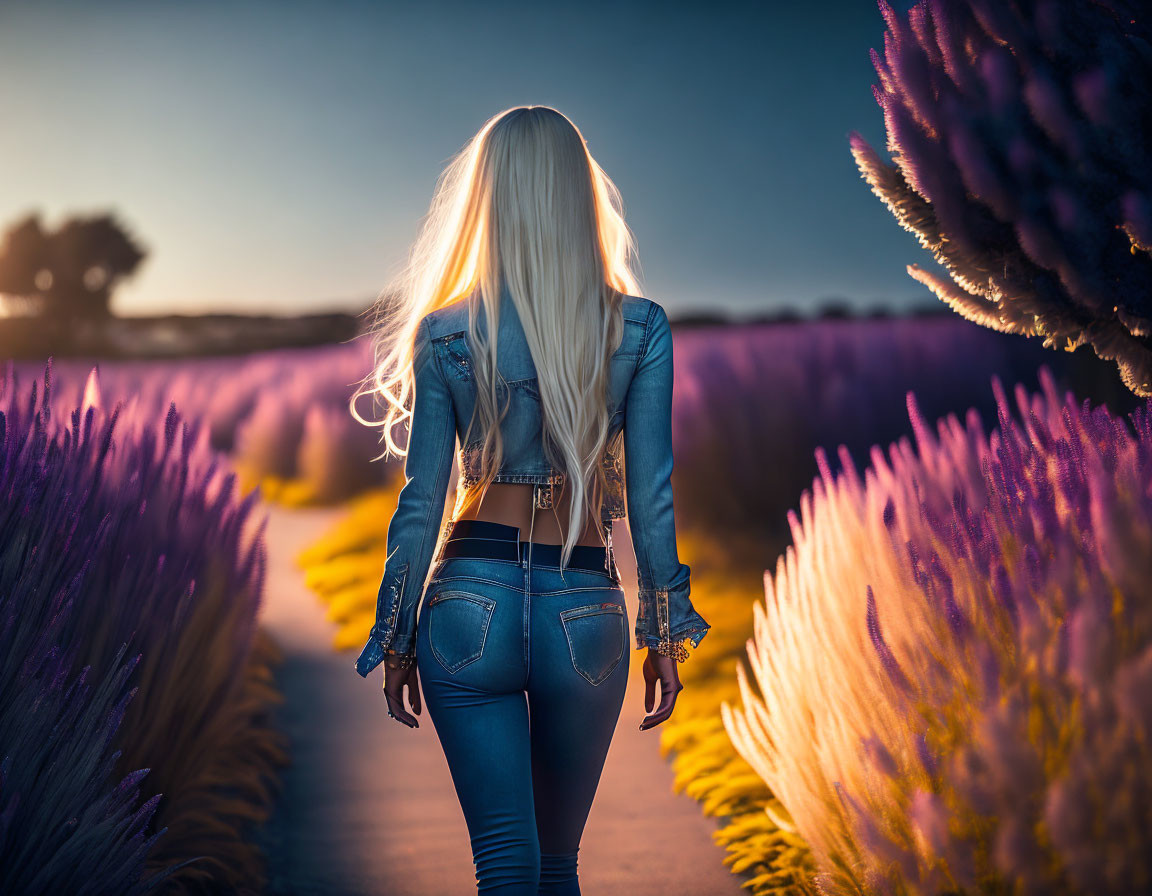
x=278, y=157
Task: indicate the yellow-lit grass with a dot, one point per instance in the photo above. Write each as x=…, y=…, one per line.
x=727, y=577
x=277, y=489
x=345, y=565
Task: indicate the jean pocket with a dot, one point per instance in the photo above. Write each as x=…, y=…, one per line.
x=458, y=627
x=596, y=636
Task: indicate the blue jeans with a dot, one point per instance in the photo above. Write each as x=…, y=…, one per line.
x=523, y=673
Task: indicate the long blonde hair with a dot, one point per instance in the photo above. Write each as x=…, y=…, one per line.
x=523, y=205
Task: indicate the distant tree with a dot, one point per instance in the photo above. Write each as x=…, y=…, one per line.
x=1022, y=136
x=70, y=272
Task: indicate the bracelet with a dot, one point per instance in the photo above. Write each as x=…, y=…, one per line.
x=674, y=649
x=399, y=660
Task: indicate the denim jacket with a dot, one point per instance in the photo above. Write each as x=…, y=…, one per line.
x=641, y=393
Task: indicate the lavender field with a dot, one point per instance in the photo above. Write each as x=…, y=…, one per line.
x=752, y=403
x=911, y=429
x=756, y=408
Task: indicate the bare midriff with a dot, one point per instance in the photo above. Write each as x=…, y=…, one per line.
x=510, y=503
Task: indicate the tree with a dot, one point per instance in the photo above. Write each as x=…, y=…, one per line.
x=1022, y=137
x=70, y=272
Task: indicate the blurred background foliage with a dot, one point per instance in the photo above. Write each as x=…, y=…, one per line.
x=68, y=272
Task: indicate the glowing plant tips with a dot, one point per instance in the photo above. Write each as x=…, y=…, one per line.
x=947, y=660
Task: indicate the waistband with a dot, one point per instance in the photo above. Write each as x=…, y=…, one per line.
x=497, y=541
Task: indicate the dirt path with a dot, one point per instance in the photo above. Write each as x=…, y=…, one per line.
x=368, y=807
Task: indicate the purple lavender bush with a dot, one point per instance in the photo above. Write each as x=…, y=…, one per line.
x=1022, y=139
x=118, y=536
x=953, y=661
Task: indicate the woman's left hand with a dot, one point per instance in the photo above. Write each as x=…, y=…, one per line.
x=663, y=669
x=395, y=678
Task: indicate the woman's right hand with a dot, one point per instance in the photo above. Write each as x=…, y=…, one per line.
x=658, y=667
x=395, y=678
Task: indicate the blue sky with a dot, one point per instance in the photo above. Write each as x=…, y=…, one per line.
x=278, y=156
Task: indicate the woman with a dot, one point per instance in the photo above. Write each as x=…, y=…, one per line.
x=517, y=329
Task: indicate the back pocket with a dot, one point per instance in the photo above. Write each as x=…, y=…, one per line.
x=596, y=636
x=458, y=627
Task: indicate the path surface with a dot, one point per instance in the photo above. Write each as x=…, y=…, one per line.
x=368, y=807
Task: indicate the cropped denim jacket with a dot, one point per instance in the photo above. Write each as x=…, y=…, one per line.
x=444, y=397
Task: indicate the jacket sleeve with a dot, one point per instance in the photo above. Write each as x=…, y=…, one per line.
x=414, y=528
x=666, y=616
